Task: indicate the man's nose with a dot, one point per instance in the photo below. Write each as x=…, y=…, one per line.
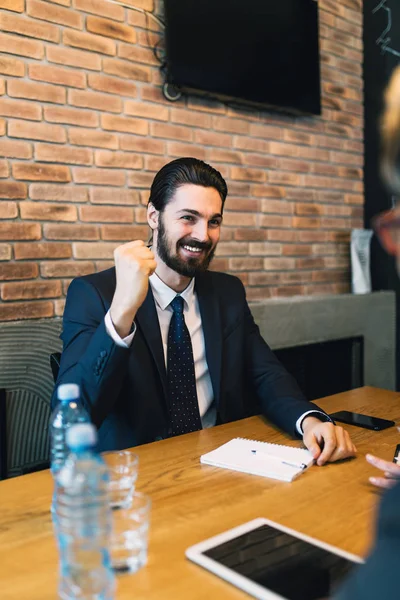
x=200, y=231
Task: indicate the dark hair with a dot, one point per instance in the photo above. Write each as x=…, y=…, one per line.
x=180, y=172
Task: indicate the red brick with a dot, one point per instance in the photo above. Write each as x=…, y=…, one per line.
x=60, y=193
x=101, y=8
x=9, y=210
x=2, y=87
x=2, y=127
x=14, y=5
x=12, y=271
x=110, y=29
x=59, y=306
x=20, y=108
x=242, y=174
x=68, y=232
x=37, y=131
x=62, y=2
x=312, y=236
x=248, y=143
x=29, y=27
x=264, y=248
x=13, y=44
x=281, y=235
x=106, y=214
x=154, y=163
x=153, y=94
x=145, y=145
x=140, y=215
x=20, y=231
x=112, y=85
x=57, y=75
x=26, y=310
x=140, y=179
x=124, y=124
x=63, y=154
x=137, y=54
x=268, y=132
x=259, y=160
x=25, y=290
x=96, y=139
x=12, y=190
x=306, y=223
x=210, y=138
x=148, y=111
x=232, y=248
x=275, y=221
x=95, y=100
x=206, y=105
x=124, y=232
x=88, y=41
x=123, y=160
x=55, y=14
x=225, y=156
x=36, y=91
x=178, y=149
x=245, y=204
x=73, y=58
x=98, y=176
x=306, y=209
x=66, y=268
x=195, y=119
x=42, y=250
x=71, y=116
x=5, y=252
x=240, y=219
x=104, y=195
x=13, y=149
x=276, y=206
x=244, y=264
x=41, y=172
x=229, y=125
x=48, y=212
x=127, y=70
x=278, y=264
x=296, y=250
x=4, y=168
x=264, y=278
x=89, y=250
x=11, y=66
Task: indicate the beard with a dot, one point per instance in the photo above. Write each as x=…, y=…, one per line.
x=188, y=267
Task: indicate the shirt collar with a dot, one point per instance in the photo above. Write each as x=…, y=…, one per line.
x=164, y=295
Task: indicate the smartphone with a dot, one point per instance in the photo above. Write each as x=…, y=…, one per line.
x=352, y=418
x=272, y=562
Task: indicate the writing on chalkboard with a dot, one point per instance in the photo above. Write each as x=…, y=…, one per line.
x=384, y=40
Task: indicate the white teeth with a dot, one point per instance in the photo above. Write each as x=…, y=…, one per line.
x=192, y=249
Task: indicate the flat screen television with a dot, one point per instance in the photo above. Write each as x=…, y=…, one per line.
x=257, y=51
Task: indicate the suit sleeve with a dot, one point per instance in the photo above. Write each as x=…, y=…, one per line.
x=90, y=357
x=278, y=394
x=378, y=578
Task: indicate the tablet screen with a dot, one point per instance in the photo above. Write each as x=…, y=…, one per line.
x=282, y=563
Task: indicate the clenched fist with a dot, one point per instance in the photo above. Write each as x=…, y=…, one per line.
x=134, y=263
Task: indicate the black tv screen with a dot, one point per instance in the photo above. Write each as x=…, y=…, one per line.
x=263, y=51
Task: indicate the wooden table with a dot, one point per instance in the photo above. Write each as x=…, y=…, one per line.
x=191, y=502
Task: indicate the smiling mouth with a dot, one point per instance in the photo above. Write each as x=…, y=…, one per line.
x=193, y=249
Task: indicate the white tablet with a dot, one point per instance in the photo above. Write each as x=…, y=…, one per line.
x=272, y=562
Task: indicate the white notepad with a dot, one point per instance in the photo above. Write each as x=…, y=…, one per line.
x=260, y=458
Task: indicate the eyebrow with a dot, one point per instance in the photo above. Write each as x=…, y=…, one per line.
x=197, y=214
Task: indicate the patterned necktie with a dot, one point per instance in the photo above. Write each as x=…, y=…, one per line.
x=185, y=416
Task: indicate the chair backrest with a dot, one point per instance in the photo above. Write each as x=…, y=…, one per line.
x=27, y=384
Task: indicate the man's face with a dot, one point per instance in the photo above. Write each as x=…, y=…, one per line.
x=189, y=228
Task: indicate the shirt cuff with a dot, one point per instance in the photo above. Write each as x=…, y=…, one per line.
x=125, y=342
x=323, y=416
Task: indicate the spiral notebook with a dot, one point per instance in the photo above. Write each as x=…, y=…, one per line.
x=260, y=458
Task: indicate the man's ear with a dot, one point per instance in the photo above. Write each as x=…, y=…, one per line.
x=152, y=216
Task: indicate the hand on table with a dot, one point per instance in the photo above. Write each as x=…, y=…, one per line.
x=391, y=472
x=327, y=442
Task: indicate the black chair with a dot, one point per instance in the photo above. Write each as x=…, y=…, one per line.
x=26, y=385
x=55, y=359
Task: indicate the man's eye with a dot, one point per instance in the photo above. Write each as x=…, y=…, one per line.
x=215, y=222
x=188, y=218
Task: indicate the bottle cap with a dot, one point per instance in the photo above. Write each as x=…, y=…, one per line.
x=81, y=435
x=68, y=391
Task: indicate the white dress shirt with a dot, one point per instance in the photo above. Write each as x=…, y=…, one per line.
x=163, y=296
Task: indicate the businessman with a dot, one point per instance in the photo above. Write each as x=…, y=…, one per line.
x=161, y=346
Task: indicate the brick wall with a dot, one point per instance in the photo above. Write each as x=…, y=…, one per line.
x=84, y=127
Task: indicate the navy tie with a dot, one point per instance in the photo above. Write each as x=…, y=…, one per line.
x=185, y=415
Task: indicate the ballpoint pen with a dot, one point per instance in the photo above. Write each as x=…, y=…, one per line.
x=280, y=460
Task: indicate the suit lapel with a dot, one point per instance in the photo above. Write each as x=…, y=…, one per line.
x=147, y=321
x=211, y=322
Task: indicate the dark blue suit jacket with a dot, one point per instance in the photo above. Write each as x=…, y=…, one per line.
x=125, y=390
x=379, y=578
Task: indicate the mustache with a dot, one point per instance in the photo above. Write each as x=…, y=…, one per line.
x=195, y=244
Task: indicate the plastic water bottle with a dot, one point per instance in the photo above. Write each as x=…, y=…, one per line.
x=68, y=411
x=83, y=520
